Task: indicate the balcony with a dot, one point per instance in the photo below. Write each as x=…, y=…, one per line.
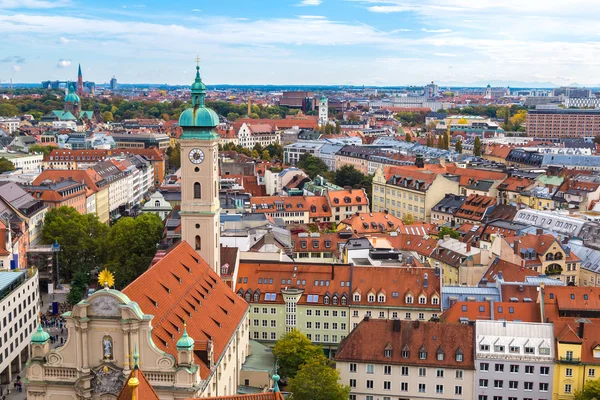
x=570, y=360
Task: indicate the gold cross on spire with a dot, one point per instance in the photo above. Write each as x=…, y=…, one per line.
x=197, y=61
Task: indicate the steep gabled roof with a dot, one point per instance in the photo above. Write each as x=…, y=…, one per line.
x=180, y=288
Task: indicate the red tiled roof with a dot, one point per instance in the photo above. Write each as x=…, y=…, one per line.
x=375, y=222
x=515, y=184
x=144, y=390
x=316, y=206
x=347, y=197
x=367, y=342
x=180, y=288
x=510, y=272
x=481, y=310
x=475, y=207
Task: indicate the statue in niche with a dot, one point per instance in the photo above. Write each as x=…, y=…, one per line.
x=107, y=343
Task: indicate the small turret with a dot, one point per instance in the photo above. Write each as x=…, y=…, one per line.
x=185, y=348
x=40, y=343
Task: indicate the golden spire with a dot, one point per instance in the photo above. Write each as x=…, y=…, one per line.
x=106, y=278
x=197, y=61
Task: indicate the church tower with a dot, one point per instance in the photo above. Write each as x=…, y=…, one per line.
x=73, y=102
x=323, y=111
x=200, y=205
x=79, y=82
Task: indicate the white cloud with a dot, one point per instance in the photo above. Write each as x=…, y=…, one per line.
x=62, y=63
x=312, y=17
x=389, y=9
x=33, y=3
x=16, y=68
x=436, y=30
x=444, y=54
x=64, y=40
x=196, y=10
x=310, y=2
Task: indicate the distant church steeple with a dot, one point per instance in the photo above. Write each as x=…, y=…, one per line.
x=79, y=82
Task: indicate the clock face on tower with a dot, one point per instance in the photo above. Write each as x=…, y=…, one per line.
x=196, y=156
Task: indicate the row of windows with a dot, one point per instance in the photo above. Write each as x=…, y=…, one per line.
x=422, y=387
x=499, y=348
x=405, y=371
x=513, y=385
x=529, y=369
x=407, y=316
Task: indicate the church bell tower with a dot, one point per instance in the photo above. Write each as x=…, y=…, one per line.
x=200, y=207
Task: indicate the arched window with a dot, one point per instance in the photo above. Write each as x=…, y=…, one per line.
x=335, y=300
x=326, y=300
x=157, y=203
x=248, y=294
x=198, y=243
x=197, y=190
x=256, y=296
x=344, y=300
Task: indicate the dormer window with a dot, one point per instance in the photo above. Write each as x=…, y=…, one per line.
x=435, y=300
x=326, y=300
x=440, y=354
x=387, y=353
x=459, y=355
x=381, y=298
x=344, y=301
x=256, y=296
x=422, y=353
x=335, y=300
x=408, y=299
x=371, y=298
x=356, y=297
x=405, y=352
x=422, y=299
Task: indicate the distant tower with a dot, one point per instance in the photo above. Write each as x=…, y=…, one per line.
x=323, y=111
x=72, y=102
x=488, y=92
x=79, y=82
x=249, y=105
x=113, y=84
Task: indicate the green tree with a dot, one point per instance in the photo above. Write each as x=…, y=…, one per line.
x=255, y=154
x=80, y=237
x=174, y=156
x=107, y=116
x=408, y=219
x=79, y=286
x=317, y=380
x=597, y=139
x=444, y=230
x=458, y=146
x=446, y=140
x=275, y=150
x=233, y=116
x=338, y=127
x=407, y=137
x=477, y=146
x=45, y=150
x=75, y=295
x=348, y=176
x=312, y=165
x=131, y=245
x=440, y=142
x=292, y=351
x=6, y=165
x=265, y=155
x=8, y=110
x=591, y=391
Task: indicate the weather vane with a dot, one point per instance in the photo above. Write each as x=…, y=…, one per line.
x=197, y=61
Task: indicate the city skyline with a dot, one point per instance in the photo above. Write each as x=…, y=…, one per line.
x=303, y=42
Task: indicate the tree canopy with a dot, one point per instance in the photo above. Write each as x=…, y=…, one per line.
x=312, y=165
x=591, y=391
x=292, y=351
x=131, y=245
x=444, y=230
x=317, y=380
x=6, y=165
x=477, y=147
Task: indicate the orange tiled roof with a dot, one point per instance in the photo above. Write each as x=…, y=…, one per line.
x=498, y=150
x=482, y=310
x=510, y=272
x=475, y=207
x=316, y=206
x=367, y=342
x=325, y=242
x=515, y=184
x=468, y=176
x=347, y=197
x=374, y=222
x=180, y=288
x=144, y=391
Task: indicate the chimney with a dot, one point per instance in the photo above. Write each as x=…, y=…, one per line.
x=539, y=231
x=516, y=247
x=565, y=240
x=468, y=247
x=396, y=325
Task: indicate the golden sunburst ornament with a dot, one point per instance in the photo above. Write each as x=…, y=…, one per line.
x=106, y=278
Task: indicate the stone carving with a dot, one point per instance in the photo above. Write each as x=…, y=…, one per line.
x=106, y=306
x=107, y=380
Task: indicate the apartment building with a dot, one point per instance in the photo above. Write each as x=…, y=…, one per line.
x=563, y=123
x=346, y=202
x=513, y=360
x=293, y=209
x=251, y=134
x=410, y=190
x=293, y=152
x=357, y=156
x=393, y=359
x=474, y=209
x=326, y=301
x=67, y=192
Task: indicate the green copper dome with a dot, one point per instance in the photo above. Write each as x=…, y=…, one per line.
x=185, y=342
x=72, y=96
x=198, y=116
x=40, y=336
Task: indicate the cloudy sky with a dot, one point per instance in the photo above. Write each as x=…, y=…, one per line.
x=370, y=42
